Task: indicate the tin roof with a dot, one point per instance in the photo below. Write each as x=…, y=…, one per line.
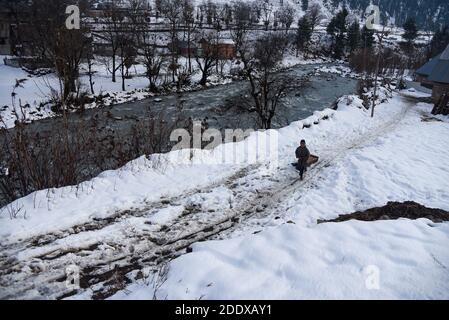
x=441, y=72
x=437, y=69
x=427, y=69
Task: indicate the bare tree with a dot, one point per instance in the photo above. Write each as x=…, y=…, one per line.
x=54, y=44
x=239, y=34
x=286, y=16
x=69, y=50
x=173, y=12
x=267, y=11
x=190, y=26
x=227, y=15
x=210, y=9
x=260, y=62
x=381, y=36
x=127, y=55
x=314, y=15
x=146, y=45
x=208, y=58
x=90, y=72
x=153, y=61
x=113, y=29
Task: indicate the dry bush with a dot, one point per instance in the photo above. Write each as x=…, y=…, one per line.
x=73, y=151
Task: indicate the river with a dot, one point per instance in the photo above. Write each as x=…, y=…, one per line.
x=211, y=103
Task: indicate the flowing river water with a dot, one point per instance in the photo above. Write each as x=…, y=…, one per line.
x=212, y=103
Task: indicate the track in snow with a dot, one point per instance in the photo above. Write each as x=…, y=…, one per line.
x=110, y=253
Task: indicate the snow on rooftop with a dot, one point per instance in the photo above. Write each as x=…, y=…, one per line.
x=445, y=54
x=226, y=41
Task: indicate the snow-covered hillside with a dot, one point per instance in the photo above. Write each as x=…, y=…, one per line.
x=327, y=9
x=36, y=91
x=232, y=217
x=135, y=218
x=433, y=14
x=333, y=261
x=294, y=258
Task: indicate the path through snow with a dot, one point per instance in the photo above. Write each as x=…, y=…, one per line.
x=143, y=235
x=298, y=259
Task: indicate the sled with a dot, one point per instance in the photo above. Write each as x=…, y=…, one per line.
x=312, y=160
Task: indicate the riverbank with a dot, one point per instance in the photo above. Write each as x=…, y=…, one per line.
x=34, y=92
x=123, y=132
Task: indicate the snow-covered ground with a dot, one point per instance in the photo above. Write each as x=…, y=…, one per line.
x=35, y=92
x=353, y=260
x=298, y=259
x=272, y=247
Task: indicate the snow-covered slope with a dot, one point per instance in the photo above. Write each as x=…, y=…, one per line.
x=431, y=13
x=170, y=201
x=35, y=92
x=298, y=259
x=353, y=260
x=177, y=172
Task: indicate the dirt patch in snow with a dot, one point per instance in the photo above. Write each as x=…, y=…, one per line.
x=393, y=211
x=426, y=118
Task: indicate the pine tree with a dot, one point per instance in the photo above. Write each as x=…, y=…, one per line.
x=304, y=34
x=339, y=47
x=354, y=36
x=367, y=38
x=410, y=30
x=439, y=42
x=305, y=5
x=338, y=28
x=331, y=28
x=338, y=23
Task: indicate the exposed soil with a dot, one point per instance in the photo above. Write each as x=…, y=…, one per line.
x=394, y=211
x=426, y=118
